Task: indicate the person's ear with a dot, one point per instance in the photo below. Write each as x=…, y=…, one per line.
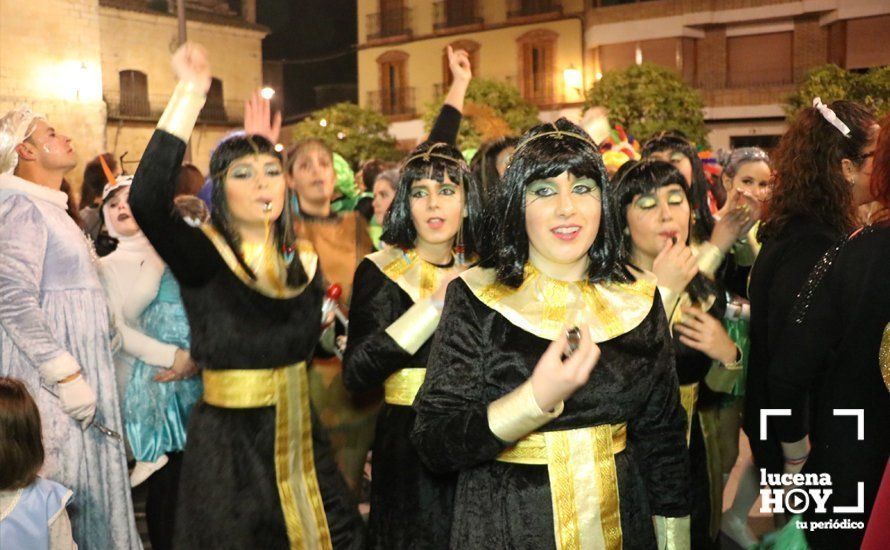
x=727, y=182
x=850, y=170
x=26, y=151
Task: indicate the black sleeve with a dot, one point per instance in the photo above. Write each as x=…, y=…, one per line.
x=371, y=354
x=451, y=431
x=190, y=255
x=658, y=434
x=446, y=127
x=797, y=262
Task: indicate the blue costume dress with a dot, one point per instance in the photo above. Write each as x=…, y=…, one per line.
x=156, y=413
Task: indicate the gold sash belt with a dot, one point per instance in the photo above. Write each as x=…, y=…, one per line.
x=287, y=390
x=402, y=386
x=583, y=482
x=688, y=399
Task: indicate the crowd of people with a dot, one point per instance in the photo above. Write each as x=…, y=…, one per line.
x=533, y=349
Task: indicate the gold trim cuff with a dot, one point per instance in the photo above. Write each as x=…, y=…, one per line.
x=672, y=533
x=517, y=414
x=709, y=258
x=182, y=110
x=415, y=326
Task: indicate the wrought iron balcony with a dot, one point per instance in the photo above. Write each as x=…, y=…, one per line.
x=455, y=13
x=525, y=8
x=389, y=23
x=393, y=101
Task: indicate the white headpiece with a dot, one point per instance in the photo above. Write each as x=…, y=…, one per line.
x=831, y=117
x=15, y=127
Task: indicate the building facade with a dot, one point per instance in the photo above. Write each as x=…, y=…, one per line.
x=402, y=63
x=744, y=56
x=100, y=69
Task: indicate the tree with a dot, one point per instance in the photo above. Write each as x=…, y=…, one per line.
x=647, y=99
x=356, y=133
x=832, y=83
x=492, y=109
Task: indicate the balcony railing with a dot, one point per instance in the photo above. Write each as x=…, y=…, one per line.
x=389, y=23
x=540, y=91
x=524, y=8
x=761, y=78
x=150, y=108
x=440, y=89
x=395, y=101
x=455, y=13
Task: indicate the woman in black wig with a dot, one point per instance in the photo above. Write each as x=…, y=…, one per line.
x=257, y=470
x=550, y=451
x=396, y=304
x=653, y=210
x=712, y=234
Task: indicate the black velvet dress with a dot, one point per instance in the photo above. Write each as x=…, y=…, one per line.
x=228, y=493
x=781, y=269
x=837, y=330
x=706, y=480
x=479, y=356
x=410, y=505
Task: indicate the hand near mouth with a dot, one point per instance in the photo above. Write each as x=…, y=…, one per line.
x=675, y=266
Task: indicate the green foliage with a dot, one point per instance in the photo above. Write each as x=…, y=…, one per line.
x=647, y=99
x=491, y=109
x=356, y=133
x=832, y=83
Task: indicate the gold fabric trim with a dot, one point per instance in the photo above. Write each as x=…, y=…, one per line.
x=182, y=110
x=708, y=257
x=415, y=326
x=287, y=389
x=517, y=414
x=544, y=306
x=418, y=278
x=583, y=482
x=710, y=426
x=672, y=533
x=269, y=282
x=884, y=356
x=401, y=387
x=688, y=399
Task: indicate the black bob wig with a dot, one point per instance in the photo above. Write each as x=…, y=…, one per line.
x=537, y=158
x=640, y=178
x=431, y=160
x=672, y=141
x=230, y=149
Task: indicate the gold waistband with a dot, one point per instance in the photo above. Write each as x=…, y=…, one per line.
x=286, y=389
x=532, y=449
x=402, y=386
x=583, y=482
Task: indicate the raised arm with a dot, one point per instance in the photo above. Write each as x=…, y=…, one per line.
x=183, y=248
x=447, y=124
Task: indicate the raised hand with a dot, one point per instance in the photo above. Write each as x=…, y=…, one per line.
x=554, y=380
x=191, y=63
x=258, y=119
x=675, y=266
x=734, y=220
x=459, y=63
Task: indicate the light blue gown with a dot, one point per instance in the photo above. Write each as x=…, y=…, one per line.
x=156, y=413
x=51, y=302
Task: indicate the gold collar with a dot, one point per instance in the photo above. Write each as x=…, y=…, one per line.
x=418, y=278
x=270, y=283
x=544, y=306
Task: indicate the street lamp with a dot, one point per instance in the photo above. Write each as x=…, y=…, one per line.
x=267, y=93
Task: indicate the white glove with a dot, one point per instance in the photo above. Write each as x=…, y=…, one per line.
x=78, y=400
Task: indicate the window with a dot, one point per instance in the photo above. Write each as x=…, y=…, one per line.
x=134, y=94
x=748, y=66
x=537, y=50
x=472, y=49
x=863, y=48
x=394, y=96
x=214, y=108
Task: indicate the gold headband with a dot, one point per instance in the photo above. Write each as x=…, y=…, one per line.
x=560, y=134
x=430, y=153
